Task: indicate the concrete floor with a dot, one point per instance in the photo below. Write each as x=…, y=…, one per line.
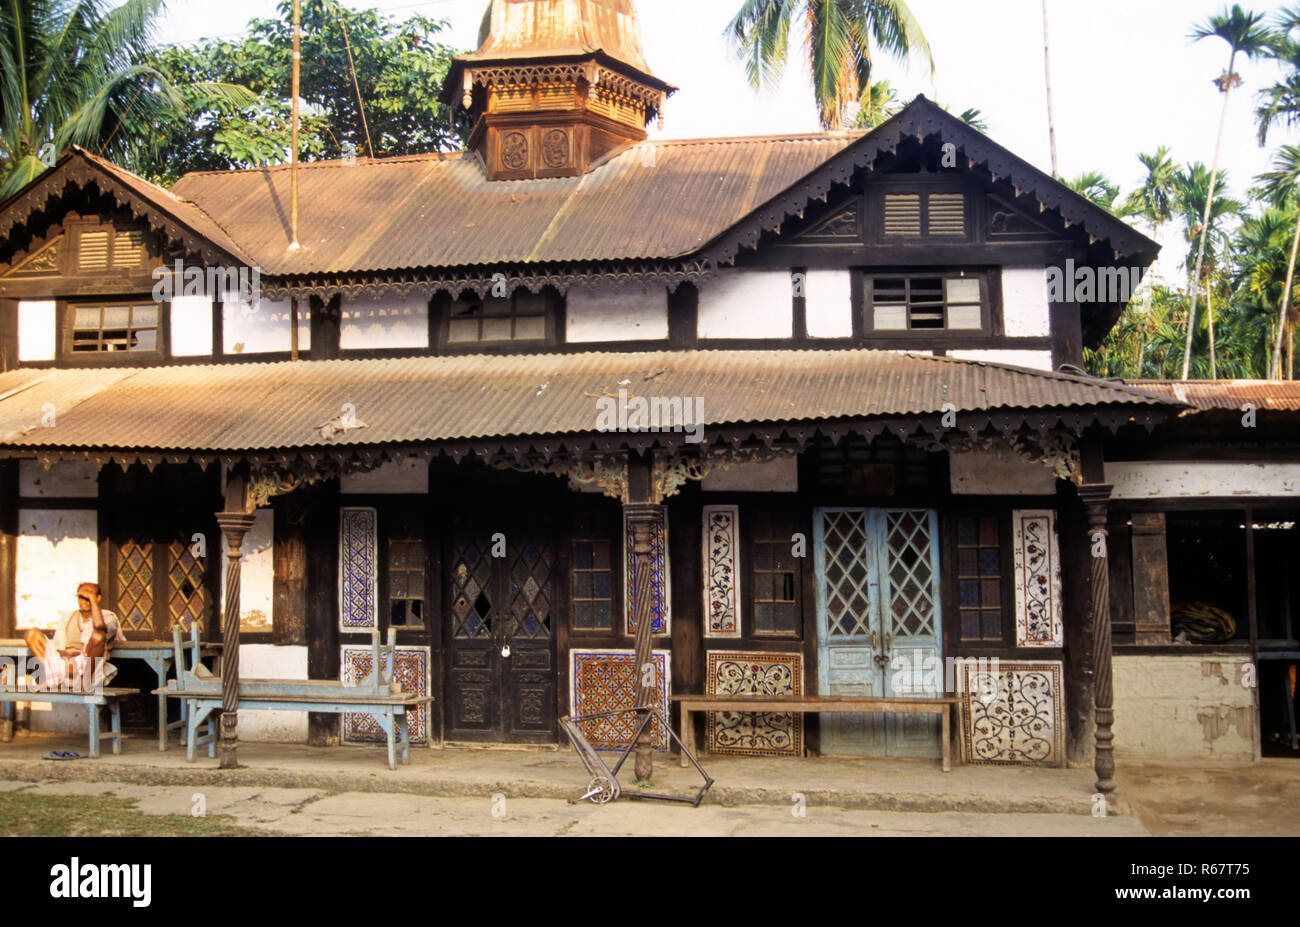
x=350, y=790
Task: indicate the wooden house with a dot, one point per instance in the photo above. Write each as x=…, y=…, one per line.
x=817, y=388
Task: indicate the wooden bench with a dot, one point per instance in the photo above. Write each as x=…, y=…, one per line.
x=93, y=700
x=944, y=707
x=159, y=655
x=201, y=692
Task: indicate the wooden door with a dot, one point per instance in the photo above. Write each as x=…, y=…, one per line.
x=500, y=649
x=877, y=578
x=163, y=551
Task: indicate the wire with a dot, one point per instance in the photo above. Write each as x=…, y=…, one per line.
x=361, y=107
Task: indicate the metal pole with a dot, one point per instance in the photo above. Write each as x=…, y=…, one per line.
x=293, y=144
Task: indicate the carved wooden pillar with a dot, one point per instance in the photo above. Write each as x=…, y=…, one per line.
x=235, y=522
x=643, y=519
x=1096, y=501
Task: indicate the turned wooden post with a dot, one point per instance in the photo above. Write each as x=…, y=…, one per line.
x=643, y=518
x=235, y=522
x=1096, y=501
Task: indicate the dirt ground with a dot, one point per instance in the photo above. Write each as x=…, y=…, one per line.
x=1257, y=800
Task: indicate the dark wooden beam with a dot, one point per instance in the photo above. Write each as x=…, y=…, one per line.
x=321, y=529
x=683, y=317
x=1151, y=610
x=326, y=324
x=8, y=334
x=289, y=555
x=1067, y=334
x=8, y=547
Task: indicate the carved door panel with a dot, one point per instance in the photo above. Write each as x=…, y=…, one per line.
x=501, y=637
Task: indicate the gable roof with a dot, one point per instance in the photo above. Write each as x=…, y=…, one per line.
x=169, y=215
x=700, y=200
x=922, y=120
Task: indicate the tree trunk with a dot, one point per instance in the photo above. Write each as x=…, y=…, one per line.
x=1205, y=220
x=1209, y=317
x=1284, y=313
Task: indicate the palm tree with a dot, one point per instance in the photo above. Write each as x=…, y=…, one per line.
x=70, y=73
x=1154, y=199
x=1280, y=103
x=1281, y=186
x=879, y=103
x=1204, y=221
x=1242, y=32
x=1095, y=187
x=838, y=36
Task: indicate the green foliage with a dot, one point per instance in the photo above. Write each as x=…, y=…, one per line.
x=838, y=37
x=399, y=69
x=72, y=72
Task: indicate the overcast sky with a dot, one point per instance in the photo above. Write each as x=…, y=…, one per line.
x=1125, y=76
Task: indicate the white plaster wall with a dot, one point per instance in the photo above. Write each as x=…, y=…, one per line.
x=747, y=304
x=780, y=475
x=71, y=480
x=257, y=574
x=1025, y=310
x=267, y=661
x=191, y=326
x=829, y=302
x=36, y=330
x=1035, y=360
x=58, y=550
x=408, y=477
x=384, y=320
x=261, y=327
x=1182, y=479
x=998, y=472
x=628, y=315
x=1176, y=707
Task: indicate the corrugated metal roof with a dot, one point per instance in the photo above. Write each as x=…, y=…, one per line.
x=657, y=200
x=1205, y=395
x=251, y=406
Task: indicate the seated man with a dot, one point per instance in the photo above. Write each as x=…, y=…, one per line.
x=81, y=643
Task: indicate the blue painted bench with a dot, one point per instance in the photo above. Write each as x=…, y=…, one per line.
x=373, y=696
x=94, y=700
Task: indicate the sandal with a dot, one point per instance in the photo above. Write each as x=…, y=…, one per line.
x=62, y=755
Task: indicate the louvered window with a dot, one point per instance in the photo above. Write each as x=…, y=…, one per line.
x=93, y=250
x=110, y=249
x=931, y=302
x=925, y=215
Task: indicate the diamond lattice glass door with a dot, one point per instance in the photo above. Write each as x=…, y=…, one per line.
x=501, y=652
x=878, y=624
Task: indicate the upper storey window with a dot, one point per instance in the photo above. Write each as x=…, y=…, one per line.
x=522, y=317
x=926, y=303
x=115, y=327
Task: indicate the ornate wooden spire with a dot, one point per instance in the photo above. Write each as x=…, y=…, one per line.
x=555, y=86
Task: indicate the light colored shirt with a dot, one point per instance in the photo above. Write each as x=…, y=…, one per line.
x=75, y=632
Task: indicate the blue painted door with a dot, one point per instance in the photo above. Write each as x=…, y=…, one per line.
x=878, y=624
